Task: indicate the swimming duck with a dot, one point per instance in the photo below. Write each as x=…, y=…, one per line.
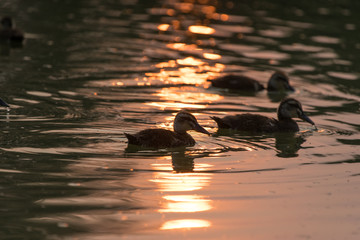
x=3, y=103
x=8, y=32
x=279, y=81
x=162, y=138
x=288, y=108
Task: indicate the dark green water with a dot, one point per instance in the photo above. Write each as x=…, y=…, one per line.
x=91, y=70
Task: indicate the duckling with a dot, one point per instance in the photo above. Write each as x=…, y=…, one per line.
x=277, y=82
x=162, y=138
x=8, y=32
x=288, y=108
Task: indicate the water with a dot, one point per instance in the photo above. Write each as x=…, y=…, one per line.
x=91, y=70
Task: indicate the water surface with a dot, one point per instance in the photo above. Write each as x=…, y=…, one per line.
x=91, y=70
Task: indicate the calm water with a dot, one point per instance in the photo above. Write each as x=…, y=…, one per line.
x=91, y=70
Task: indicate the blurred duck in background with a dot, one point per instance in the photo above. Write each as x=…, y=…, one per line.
x=8, y=31
x=278, y=82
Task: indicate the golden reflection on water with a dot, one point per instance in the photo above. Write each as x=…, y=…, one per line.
x=180, y=193
x=201, y=29
x=184, y=97
x=179, y=185
x=163, y=27
x=185, y=223
x=211, y=56
x=184, y=71
x=186, y=203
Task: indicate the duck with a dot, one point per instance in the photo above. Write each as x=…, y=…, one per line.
x=163, y=138
x=278, y=82
x=8, y=32
x=3, y=103
x=287, y=109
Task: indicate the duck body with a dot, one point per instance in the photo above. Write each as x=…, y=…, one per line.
x=277, y=82
x=8, y=32
x=288, y=108
x=237, y=82
x=160, y=138
x=255, y=123
x=163, y=138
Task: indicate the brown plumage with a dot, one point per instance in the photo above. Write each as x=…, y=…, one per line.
x=162, y=138
x=288, y=108
x=277, y=82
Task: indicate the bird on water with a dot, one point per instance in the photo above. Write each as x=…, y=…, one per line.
x=287, y=109
x=278, y=82
x=3, y=103
x=8, y=32
x=163, y=138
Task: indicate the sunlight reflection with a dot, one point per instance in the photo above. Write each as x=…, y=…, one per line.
x=185, y=182
x=201, y=29
x=184, y=97
x=185, y=94
x=186, y=203
x=181, y=182
x=163, y=27
x=181, y=46
x=211, y=56
x=185, y=223
x=174, y=105
x=190, y=61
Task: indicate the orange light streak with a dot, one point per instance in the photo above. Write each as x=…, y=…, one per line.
x=201, y=29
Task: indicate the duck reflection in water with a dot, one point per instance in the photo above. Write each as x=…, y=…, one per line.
x=288, y=144
x=182, y=162
x=287, y=109
x=163, y=138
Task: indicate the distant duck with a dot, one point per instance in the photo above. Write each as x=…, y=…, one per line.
x=279, y=81
x=8, y=32
x=288, y=108
x=162, y=138
x=4, y=104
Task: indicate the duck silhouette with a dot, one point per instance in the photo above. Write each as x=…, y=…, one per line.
x=8, y=32
x=278, y=82
x=163, y=138
x=287, y=109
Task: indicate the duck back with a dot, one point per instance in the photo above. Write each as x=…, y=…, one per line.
x=12, y=35
x=237, y=82
x=160, y=138
x=248, y=122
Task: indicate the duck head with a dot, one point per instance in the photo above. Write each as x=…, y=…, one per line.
x=6, y=22
x=279, y=81
x=290, y=108
x=185, y=121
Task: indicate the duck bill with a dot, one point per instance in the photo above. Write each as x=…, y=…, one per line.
x=290, y=88
x=306, y=119
x=4, y=104
x=199, y=128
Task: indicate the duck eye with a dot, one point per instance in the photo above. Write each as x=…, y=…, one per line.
x=284, y=79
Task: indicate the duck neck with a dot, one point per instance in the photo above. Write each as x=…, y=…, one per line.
x=179, y=131
x=283, y=118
